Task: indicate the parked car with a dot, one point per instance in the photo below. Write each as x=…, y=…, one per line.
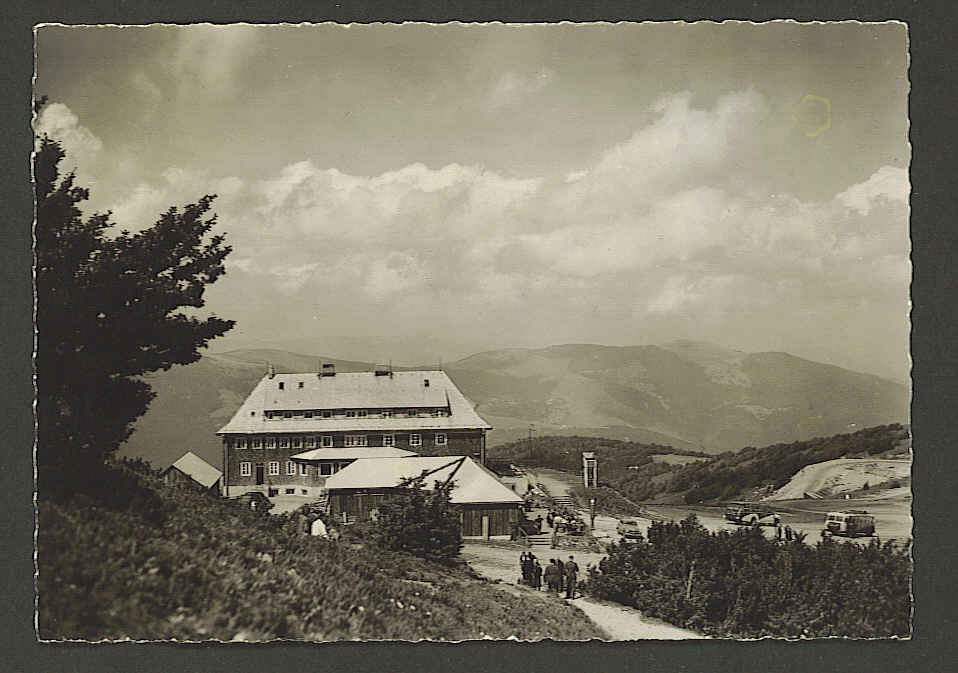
x=629, y=529
x=751, y=514
x=851, y=523
x=254, y=500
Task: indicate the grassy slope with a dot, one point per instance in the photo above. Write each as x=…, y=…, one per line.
x=209, y=569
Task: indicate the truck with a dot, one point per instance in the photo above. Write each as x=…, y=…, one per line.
x=751, y=514
x=849, y=523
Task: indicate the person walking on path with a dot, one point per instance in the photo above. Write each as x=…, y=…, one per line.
x=536, y=576
x=561, y=569
x=571, y=577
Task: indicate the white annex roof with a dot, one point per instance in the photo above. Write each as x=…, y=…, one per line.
x=354, y=390
x=473, y=483
x=352, y=453
x=193, y=466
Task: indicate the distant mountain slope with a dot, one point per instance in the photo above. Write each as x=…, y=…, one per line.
x=696, y=393
x=686, y=394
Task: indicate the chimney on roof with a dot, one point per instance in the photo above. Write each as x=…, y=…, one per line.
x=270, y=370
x=329, y=369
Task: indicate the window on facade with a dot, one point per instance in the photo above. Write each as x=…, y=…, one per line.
x=350, y=413
x=270, y=442
x=252, y=413
x=310, y=442
x=304, y=492
x=281, y=385
x=284, y=442
x=415, y=440
x=387, y=413
x=412, y=413
x=327, y=441
x=290, y=467
x=362, y=413
x=255, y=443
x=355, y=440
x=274, y=467
x=241, y=442
x=246, y=469
x=308, y=414
x=300, y=384
x=290, y=491
x=303, y=469
x=388, y=440
x=287, y=414
x=327, y=413
x=440, y=438
x=296, y=442
x=326, y=469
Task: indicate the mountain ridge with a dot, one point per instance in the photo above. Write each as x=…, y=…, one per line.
x=690, y=394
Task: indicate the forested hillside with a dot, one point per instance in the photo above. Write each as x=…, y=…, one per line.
x=562, y=452
x=629, y=467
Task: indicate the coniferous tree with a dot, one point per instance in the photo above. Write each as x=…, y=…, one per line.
x=421, y=521
x=108, y=310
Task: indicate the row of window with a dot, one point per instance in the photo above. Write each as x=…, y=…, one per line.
x=324, y=441
x=281, y=415
x=273, y=468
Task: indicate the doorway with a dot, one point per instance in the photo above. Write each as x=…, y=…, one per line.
x=260, y=475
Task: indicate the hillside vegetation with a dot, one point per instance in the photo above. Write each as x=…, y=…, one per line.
x=744, y=585
x=632, y=469
x=142, y=560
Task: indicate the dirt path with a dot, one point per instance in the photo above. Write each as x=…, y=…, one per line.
x=618, y=621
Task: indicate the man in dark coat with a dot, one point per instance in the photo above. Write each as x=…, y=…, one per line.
x=552, y=576
x=571, y=577
x=561, y=569
x=536, y=575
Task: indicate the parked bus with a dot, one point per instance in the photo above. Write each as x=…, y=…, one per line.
x=851, y=523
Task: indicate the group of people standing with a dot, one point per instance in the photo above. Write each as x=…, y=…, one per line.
x=556, y=575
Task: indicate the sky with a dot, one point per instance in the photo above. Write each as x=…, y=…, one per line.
x=427, y=191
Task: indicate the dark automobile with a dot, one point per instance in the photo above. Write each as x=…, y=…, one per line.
x=255, y=500
x=751, y=514
x=629, y=529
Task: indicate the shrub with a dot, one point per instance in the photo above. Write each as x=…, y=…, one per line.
x=742, y=584
x=421, y=522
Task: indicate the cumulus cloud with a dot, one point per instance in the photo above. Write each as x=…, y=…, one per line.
x=144, y=203
x=60, y=123
x=651, y=230
x=888, y=184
